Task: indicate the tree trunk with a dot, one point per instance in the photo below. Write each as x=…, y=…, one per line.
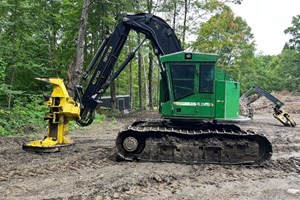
x=15, y=52
x=131, y=97
x=145, y=82
x=150, y=77
x=184, y=22
x=113, y=97
x=150, y=72
x=75, y=69
x=53, y=41
x=140, y=75
x=149, y=6
x=130, y=86
x=174, y=15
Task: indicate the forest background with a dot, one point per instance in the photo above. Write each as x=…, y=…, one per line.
x=58, y=38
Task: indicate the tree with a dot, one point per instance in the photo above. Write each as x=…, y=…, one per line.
x=265, y=73
x=294, y=31
x=150, y=55
x=3, y=85
x=288, y=70
x=186, y=15
x=231, y=38
x=140, y=68
x=23, y=42
x=75, y=69
x=150, y=79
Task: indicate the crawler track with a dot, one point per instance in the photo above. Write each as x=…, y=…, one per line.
x=164, y=141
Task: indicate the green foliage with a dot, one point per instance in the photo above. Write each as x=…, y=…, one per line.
x=264, y=67
x=28, y=41
x=26, y=116
x=2, y=70
x=4, y=88
x=2, y=77
x=185, y=16
x=231, y=38
x=99, y=118
x=277, y=73
x=294, y=31
x=288, y=70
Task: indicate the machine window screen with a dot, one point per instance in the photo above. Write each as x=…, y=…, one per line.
x=183, y=80
x=207, y=78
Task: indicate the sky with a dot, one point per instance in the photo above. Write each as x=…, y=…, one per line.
x=268, y=19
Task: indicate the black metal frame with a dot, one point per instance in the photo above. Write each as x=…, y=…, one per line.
x=163, y=40
x=262, y=92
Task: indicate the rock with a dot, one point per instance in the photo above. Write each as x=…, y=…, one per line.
x=125, y=188
x=157, y=178
x=175, y=184
x=107, y=198
x=116, y=195
x=293, y=191
x=98, y=197
x=161, y=187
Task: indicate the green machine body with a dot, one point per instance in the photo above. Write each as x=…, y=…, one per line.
x=192, y=87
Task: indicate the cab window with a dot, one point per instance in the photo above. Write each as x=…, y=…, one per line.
x=183, y=80
x=206, y=78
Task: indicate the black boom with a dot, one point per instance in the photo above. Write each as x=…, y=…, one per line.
x=163, y=40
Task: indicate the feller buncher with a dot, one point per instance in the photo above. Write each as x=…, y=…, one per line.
x=196, y=99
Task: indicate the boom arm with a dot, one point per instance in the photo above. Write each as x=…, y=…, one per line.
x=163, y=40
x=279, y=114
x=278, y=104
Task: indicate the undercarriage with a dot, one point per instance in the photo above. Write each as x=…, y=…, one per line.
x=192, y=143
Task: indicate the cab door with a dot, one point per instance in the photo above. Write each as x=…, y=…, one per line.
x=183, y=88
x=206, y=105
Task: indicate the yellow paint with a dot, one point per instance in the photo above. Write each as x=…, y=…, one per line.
x=62, y=109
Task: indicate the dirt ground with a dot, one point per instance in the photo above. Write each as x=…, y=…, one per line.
x=89, y=170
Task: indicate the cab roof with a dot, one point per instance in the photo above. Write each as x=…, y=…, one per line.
x=189, y=57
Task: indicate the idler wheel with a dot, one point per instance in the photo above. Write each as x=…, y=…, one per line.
x=130, y=144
